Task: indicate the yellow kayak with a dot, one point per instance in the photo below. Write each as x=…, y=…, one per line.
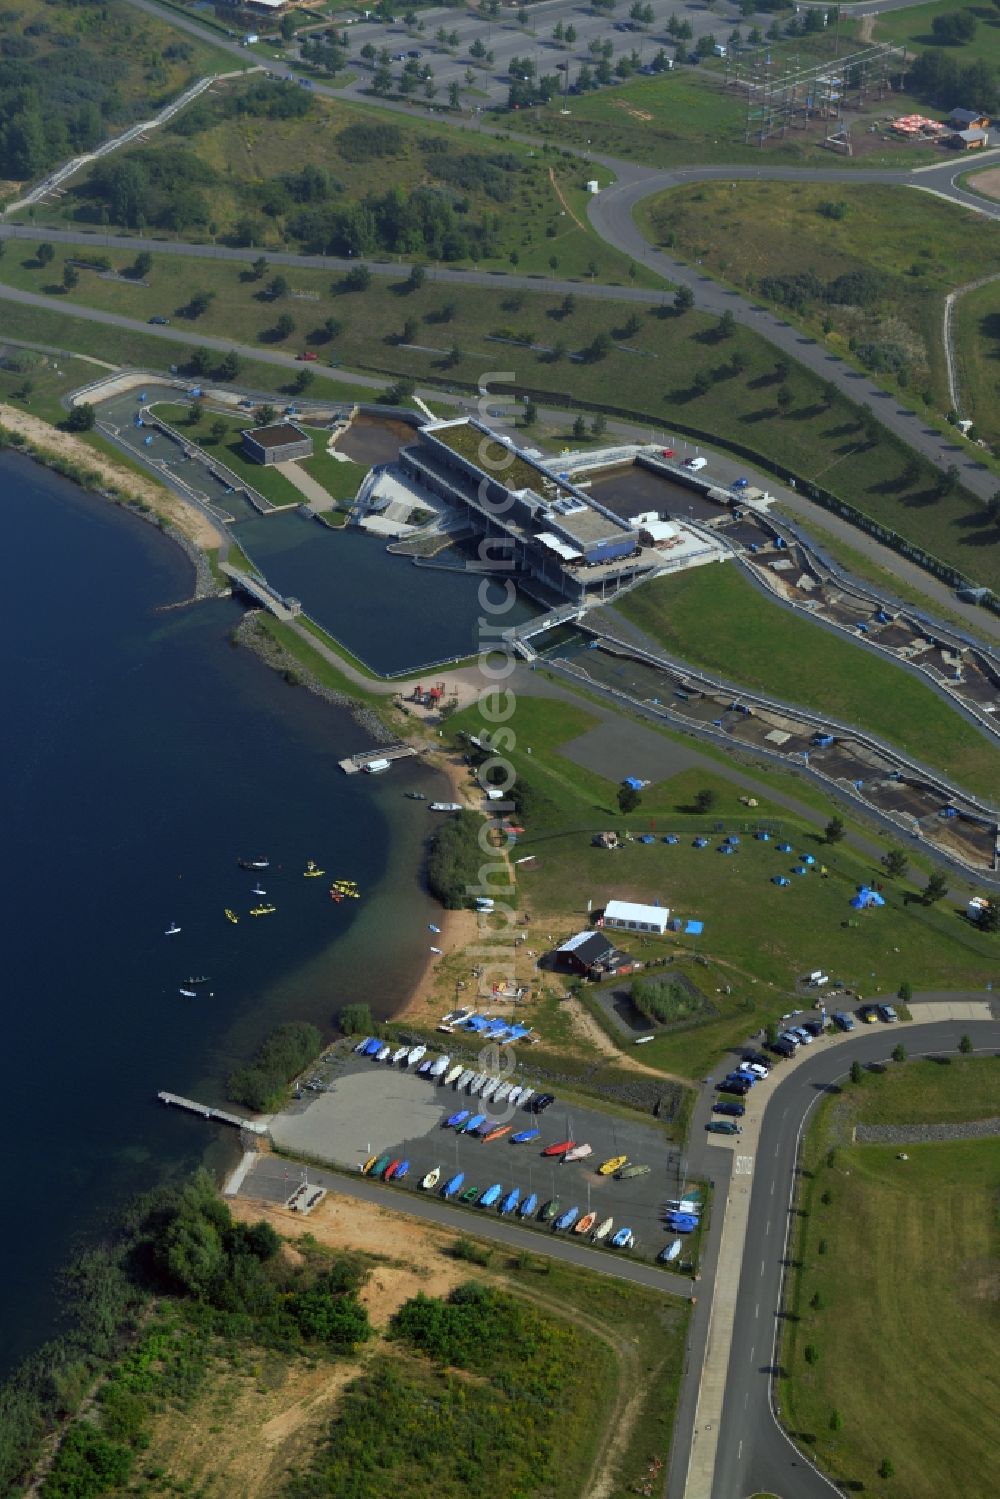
x=368, y=1164
x=262, y=910
x=232, y=916
x=312, y=871
x=615, y=1164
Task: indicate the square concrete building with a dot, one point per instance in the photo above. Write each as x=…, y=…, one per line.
x=277, y=444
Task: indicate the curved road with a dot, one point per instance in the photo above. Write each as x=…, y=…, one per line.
x=754, y=1454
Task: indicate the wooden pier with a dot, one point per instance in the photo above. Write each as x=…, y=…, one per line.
x=253, y=1125
x=357, y=762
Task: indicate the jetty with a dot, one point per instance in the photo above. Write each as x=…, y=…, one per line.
x=357, y=762
x=255, y=1126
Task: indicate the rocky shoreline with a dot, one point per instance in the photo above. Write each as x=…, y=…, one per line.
x=925, y=1134
x=253, y=637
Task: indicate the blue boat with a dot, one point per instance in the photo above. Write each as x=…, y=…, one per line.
x=454, y=1120
x=528, y=1206
x=372, y=1048
x=451, y=1187
x=401, y=1171
x=682, y=1225
x=525, y=1136
x=623, y=1239
x=470, y=1127
x=511, y=1200
x=567, y=1219
x=363, y=1046
x=490, y=1196
x=425, y=1067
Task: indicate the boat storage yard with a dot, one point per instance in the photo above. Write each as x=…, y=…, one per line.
x=371, y=1109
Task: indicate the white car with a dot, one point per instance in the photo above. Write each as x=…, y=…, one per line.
x=792, y=1037
x=755, y=1069
x=803, y=1035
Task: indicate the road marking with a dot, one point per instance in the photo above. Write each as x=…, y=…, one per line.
x=739, y=1451
x=773, y=1185
x=762, y=1267
x=744, y=1165
x=767, y=1226
x=753, y=1350
x=757, y=1310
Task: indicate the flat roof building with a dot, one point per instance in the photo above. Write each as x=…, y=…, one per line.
x=280, y=443
x=629, y=916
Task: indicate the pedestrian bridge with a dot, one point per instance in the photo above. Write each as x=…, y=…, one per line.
x=262, y=591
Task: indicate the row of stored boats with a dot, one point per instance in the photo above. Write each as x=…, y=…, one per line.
x=441, y=1070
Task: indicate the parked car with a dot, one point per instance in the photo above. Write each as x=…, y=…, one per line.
x=791, y=1038
x=781, y=1048
x=843, y=1021
x=887, y=1013
x=757, y=1058
x=415, y=52
x=814, y=1027
x=308, y=356
x=739, y=1090
x=696, y=464
x=722, y=1127
x=159, y=322
x=806, y=1037
x=754, y=1068
x=666, y=453
x=720, y=1106
x=869, y=1014
x=541, y=1103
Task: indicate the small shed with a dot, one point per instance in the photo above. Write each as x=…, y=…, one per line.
x=629, y=916
x=968, y=119
x=973, y=139
x=280, y=443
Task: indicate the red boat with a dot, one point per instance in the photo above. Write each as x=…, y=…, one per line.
x=391, y=1169
x=559, y=1149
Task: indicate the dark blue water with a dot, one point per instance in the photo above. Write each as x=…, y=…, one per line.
x=392, y=615
x=143, y=755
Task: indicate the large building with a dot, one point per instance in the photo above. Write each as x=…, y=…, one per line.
x=543, y=526
x=278, y=444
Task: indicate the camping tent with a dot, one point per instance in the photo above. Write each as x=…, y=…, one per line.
x=866, y=899
x=701, y=843
x=779, y=879
x=784, y=848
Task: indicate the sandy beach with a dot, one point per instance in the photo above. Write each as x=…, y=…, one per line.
x=47, y=439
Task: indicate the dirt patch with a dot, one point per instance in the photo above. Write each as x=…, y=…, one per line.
x=49, y=439
x=867, y=28
x=413, y=1256
x=592, y=1036
x=562, y=200
x=635, y=114
x=987, y=182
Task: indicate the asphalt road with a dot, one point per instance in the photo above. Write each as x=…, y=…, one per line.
x=273, y=1179
x=754, y=1454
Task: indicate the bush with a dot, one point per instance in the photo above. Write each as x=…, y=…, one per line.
x=664, y=1001
x=355, y=1019
x=455, y=863
x=86, y=1464
x=365, y=142
x=262, y=1084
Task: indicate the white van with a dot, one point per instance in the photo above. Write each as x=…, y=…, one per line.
x=719, y=50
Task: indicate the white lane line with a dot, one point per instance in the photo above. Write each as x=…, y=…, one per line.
x=753, y=1350
x=762, y=1267
x=739, y=1451
x=757, y=1310
x=767, y=1227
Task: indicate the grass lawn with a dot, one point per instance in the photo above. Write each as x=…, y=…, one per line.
x=340, y=479
x=758, y=937
x=977, y=354
x=920, y=248
x=651, y=372
x=715, y=618
x=928, y=1092
x=317, y=666
x=41, y=381
x=906, y=1292
x=687, y=116
x=270, y=481
x=244, y=154
x=911, y=28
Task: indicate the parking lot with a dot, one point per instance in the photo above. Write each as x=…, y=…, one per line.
x=371, y=1108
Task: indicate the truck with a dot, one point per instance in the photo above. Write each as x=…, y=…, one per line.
x=249, y=39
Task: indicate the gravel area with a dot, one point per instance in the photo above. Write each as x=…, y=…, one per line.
x=925, y=1134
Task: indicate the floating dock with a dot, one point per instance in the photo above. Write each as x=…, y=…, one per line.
x=354, y=763
x=253, y=1125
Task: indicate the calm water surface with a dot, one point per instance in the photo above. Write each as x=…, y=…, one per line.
x=143, y=755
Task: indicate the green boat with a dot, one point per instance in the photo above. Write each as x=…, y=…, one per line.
x=628, y=1171
x=550, y=1210
x=469, y=1195
x=380, y=1165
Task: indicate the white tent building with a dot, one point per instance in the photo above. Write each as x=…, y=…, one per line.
x=627, y=916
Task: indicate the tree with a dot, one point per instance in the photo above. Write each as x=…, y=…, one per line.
x=416, y=278
x=857, y=1072
x=302, y=382
x=704, y=800
x=218, y=429
x=530, y=414
x=895, y=863
x=368, y=52
x=81, y=418
x=989, y=917
x=287, y=27
x=45, y=254
x=936, y=887
x=905, y=991
x=899, y=1052
x=142, y=265
x=454, y=94
x=725, y=327
x=70, y=276
x=965, y=1045
x=200, y=303
x=834, y=830
x=579, y=427
x=229, y=365
x=358, y=278
x=782, y=368
x=200, y=361
x=836, y=1420
x=683, y=299
x=195, y=413
x=828, y=393
x=285, y=326
x=886, y=1469
x=332, y=328
x=410, y=330
x=265, y=414
x=772, y=1033
x=947, y=482
x=811, y=1353
x=599, y=425
x=277, y=287
x=382, y=82
x=628, y=799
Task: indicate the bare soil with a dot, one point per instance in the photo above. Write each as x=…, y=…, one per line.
x=987, y=182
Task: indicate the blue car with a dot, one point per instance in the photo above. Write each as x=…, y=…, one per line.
x=736, y=1110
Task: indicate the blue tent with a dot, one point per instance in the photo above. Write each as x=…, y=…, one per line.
x=733, y=840
x=701, y=843
x=779, y=879
x=784, y=848
x=866, y=899
x=801, y=869
x=694, y=928
x=671, y=838
x=724, y=848
x=762, y=837
x=807, y=858
x=634, y=782
x=647, y=838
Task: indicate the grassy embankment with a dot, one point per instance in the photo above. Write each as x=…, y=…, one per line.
x=535, y=202
x=898, y=1274
x=977, y=351
x=715, y=618
x=340, y=480
x=665, y=370
x=916, y=247
x=757, y=936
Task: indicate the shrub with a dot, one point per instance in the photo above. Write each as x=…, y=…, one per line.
x=288, y=1049
x=455, y=862
x=664, y=1002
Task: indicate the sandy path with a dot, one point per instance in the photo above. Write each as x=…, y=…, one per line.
x=49, y=439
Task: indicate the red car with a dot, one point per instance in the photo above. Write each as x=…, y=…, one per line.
x=308, y=356
x=667, y=453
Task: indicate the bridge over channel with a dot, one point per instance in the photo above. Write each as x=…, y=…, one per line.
x=264, y=594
